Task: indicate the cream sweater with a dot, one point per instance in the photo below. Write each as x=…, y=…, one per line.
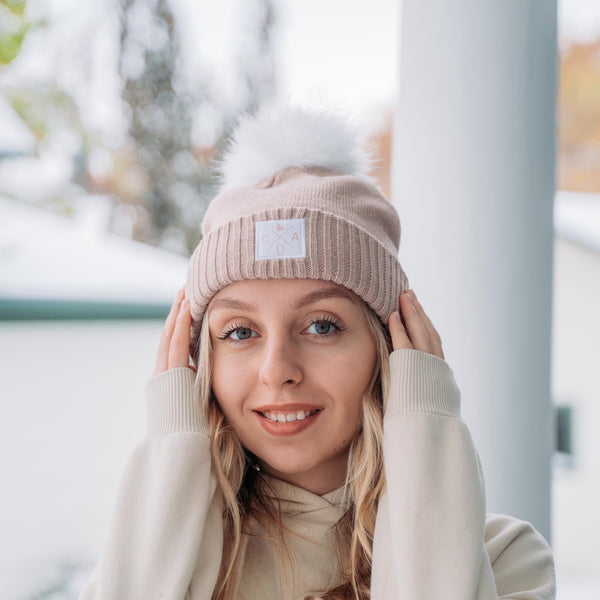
x=432, y=537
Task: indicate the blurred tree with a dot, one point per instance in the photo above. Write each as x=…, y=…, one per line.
x=46, y=107
x=13, y=28
x=256, y=64
x=176, y=118
x=163, y=104
x=160, y=120
x=579, y=121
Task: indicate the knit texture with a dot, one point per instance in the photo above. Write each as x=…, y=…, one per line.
x=167, y=411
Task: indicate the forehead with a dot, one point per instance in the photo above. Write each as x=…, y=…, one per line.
x=294, y=293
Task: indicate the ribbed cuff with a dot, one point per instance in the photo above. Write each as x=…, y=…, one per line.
x=171, y=405
x=421, y=382
x=337, y=250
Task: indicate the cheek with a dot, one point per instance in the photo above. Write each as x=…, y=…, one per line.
x=225, y=387
x=354, y=371
x=349, y=379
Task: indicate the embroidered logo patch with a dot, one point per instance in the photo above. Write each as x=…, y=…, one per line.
x=280, y=239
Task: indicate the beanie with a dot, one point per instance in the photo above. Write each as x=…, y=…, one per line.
x=295, y=202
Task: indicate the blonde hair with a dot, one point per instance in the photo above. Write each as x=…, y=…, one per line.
x=247, y=495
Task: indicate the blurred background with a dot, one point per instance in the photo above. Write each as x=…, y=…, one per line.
x=111, y=115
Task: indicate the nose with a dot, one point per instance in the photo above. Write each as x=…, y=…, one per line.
x=281, y=364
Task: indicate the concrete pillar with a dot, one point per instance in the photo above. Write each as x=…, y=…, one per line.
x=473, y=180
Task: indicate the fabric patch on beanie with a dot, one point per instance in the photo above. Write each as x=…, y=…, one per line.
x=280, y=239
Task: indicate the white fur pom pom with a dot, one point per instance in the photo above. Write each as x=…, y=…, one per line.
x=291, y=137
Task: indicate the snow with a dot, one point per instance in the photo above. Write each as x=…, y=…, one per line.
x=577, y=218
x=46, y=256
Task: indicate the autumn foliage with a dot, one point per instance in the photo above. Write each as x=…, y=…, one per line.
x=579, y=118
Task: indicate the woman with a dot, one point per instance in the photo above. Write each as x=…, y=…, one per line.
x=303, y=460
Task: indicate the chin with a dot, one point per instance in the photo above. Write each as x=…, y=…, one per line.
x=306, y=469
x=288, y=465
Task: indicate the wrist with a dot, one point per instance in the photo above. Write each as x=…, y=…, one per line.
x=421, y=382
x=172, y=404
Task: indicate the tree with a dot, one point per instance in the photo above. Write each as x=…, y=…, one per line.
x=13, y=28
x=163, y=101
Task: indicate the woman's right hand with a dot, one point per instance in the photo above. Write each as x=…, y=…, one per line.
x=414, y=329
x=174, y=345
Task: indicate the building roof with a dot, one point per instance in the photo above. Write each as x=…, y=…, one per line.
x=53, y=266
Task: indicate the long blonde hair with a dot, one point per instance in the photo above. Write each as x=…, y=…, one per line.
x=246, y=494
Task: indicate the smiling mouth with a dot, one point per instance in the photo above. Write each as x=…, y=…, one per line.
x=288, y=417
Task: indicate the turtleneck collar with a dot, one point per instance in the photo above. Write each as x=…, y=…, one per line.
x=308, y=522
x=296, y=502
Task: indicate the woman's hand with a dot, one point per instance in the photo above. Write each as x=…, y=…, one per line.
x=417, y=331
x=174, y=345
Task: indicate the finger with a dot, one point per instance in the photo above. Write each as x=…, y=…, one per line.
x=434, y=336
x=414, y=326
x=162, y=354
x=179, y=350
x=399, y=337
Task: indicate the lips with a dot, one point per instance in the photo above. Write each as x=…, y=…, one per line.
x=288, y=417
x=287, y=420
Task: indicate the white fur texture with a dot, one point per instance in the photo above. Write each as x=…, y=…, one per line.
x=291, y=137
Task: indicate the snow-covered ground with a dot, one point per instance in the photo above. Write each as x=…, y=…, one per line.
x=44, y=255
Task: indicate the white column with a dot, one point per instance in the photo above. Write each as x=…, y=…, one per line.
x=473, y=180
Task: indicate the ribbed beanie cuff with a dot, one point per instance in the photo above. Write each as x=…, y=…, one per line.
x=337, y=251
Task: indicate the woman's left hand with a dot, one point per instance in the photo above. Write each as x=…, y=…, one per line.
x=417, y=331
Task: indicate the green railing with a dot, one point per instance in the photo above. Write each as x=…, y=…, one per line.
x=27, y=309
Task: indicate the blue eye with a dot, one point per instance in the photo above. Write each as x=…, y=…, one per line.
x=322, y=327
x=237, y=333
x=240, y=333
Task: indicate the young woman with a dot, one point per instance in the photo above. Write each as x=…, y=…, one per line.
x=304, y=431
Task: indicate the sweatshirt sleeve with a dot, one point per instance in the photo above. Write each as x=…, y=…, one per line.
x=165, y=537
x=434, y=505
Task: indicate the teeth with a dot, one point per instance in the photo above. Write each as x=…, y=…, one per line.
x=289, y=417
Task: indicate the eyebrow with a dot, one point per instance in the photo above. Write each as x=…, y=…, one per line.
x=231, y=303
x=324, y=294
x=222, y=303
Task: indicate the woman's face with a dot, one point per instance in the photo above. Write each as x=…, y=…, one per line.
x=292, y=360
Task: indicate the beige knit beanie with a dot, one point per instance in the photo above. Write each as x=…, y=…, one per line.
x=295, y=202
